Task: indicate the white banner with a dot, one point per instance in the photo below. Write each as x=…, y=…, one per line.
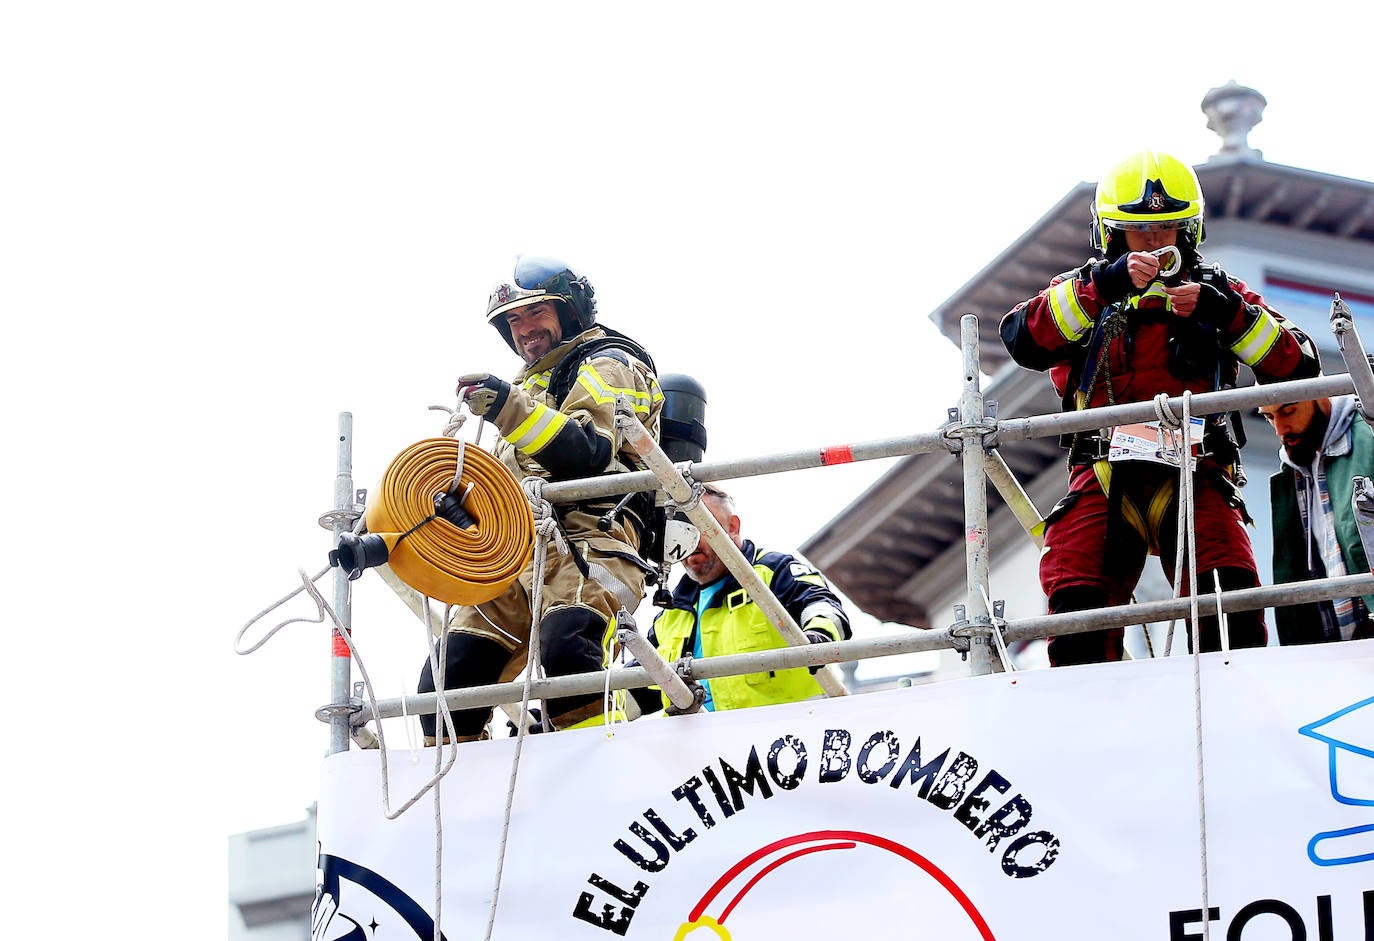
x=1054, y=804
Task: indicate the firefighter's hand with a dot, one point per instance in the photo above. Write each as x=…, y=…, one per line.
x=1217, y=304
x=482, y=392
x=1129, y=273
x=817, y=637
x=536, y=727
x=1183, y=298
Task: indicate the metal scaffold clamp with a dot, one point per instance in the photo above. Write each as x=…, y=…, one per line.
x=965, y=632
x=348, y=516
x=955, y=430
x=347, y=710
x=692, y=502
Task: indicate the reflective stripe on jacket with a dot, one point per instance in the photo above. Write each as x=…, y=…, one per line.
x=576, y=437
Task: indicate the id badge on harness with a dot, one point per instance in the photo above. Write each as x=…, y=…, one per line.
x=1147, y=441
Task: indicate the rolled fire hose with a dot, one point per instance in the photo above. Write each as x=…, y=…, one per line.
x=456, y=564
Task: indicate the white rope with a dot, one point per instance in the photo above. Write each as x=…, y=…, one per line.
x=545, y=528
x=997, y=637
x=1188, y=529
x=372, y=703
x=307, y=581
x=326, y=612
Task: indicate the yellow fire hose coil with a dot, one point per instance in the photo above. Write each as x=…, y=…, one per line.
x=453, y=565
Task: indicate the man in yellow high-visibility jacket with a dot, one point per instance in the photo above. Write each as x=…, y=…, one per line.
x=712, y=615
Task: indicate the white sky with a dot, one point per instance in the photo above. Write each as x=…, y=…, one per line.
x=222, y=224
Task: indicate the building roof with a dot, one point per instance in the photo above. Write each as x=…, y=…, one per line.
x=913, y=516
x=1242, y=187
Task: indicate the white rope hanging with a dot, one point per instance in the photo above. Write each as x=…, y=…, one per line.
x=1188, y=530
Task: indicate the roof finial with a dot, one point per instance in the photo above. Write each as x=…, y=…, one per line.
x=1232, y=110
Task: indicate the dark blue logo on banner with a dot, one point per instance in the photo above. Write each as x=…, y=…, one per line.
x=352, y=903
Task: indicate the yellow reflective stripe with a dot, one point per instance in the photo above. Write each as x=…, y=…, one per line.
x=1155, y=291
x=532, y=434
x=1255, y=343
x=1069, y=315
x=537, y=381
x=602, y=393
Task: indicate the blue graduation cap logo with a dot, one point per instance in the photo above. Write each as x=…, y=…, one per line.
x=1349, y=737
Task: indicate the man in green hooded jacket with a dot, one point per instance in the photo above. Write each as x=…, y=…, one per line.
x=1326, y=444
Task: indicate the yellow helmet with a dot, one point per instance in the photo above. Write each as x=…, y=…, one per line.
x=1146, y=191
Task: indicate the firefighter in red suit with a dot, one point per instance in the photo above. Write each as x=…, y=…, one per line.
x=1125, y=328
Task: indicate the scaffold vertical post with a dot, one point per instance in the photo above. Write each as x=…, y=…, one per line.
x=974, y=456
x=341, y=665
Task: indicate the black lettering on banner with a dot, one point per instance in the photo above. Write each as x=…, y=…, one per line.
x=893, y=750
x=912, y=769
x=943, y=782
x=950, y=787
x=835, y=756
x=965, y=812
x=1036, y=862
x=725, y=806
x=995, y=828
x=675, y=841
x=752, y=777
x=661, y=851
x=1267, y=907
x=688, y=792
x=1179, y=922
x=793, y=744
x=608, y=918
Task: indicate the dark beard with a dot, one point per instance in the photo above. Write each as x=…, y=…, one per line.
x=1310, y=441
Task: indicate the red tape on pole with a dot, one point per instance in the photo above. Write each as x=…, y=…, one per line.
x=839, y=454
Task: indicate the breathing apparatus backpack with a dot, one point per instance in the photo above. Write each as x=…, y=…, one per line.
x=682, y=435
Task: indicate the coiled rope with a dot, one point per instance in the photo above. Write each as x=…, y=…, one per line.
x=432, y=555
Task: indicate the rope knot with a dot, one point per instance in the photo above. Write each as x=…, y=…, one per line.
x=455, y=420
x=546, y=525
x=1166, y=416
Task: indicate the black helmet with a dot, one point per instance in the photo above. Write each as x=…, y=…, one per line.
x=540, y=279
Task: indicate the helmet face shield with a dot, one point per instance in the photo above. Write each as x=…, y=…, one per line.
x=1141, y=226
x=536, y=273
x=543, y=279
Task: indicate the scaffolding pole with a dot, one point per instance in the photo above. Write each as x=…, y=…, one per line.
x=677, y=488
x=341, y=666
x=972, y=427
x=1007, y=429
x=786, y=658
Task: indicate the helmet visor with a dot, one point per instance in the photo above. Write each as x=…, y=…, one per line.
x=534, y=272
x=1152, y=225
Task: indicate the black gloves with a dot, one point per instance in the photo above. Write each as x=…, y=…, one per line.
x=1217, y=302
x=816, y=637
x=482, y=392
x=1113, y=281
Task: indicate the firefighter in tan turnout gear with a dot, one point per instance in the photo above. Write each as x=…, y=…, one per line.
x=557, y=421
